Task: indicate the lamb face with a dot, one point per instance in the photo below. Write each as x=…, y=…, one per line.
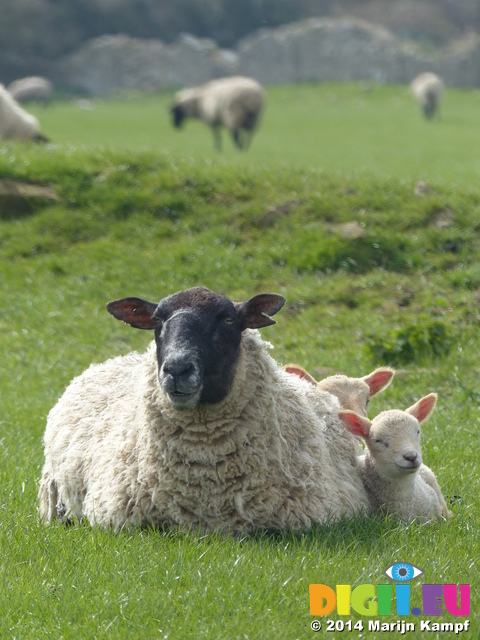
x=392, y=438
x=353, y=393
x=394, y=443
x=198, y=334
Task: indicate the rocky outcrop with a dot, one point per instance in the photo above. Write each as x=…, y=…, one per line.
x=117, y=62
x=314, y=50
x=329, y=50
x=20, y=198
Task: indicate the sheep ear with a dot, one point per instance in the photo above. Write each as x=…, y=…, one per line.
x=424, y=407
x=379, y=379
x=299, y=371
x=358, y=425
x=255, y=312
x=133, y=311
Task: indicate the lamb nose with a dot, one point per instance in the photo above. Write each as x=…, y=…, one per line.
x=411, y=457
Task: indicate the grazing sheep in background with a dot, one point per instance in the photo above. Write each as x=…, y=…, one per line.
x=391, y=466
x=15, y=122
x=352, y=393
x=428, y=89
x=203, y=430
x=31, y=89
x=235, y=103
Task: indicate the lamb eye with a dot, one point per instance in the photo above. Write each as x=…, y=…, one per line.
x=229, y=320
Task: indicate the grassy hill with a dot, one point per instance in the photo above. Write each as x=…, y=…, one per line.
x=324, y=210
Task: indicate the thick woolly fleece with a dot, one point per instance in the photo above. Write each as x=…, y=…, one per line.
x=272, y=455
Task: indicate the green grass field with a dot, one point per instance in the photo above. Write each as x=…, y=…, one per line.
x=146, y=210
x=345, y=130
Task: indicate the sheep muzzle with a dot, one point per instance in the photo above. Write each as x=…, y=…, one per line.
x=181, y=379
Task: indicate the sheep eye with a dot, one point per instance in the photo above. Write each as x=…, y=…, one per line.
x=229, y=320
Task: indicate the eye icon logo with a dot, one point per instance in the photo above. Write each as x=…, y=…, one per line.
x=403, y=572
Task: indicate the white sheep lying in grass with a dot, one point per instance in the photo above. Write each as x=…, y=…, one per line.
x=396, y=480
x=428, y=90
x=15, y=122
x=236, y=103
x=352, y=393
x=203, y=430
x=32, y=88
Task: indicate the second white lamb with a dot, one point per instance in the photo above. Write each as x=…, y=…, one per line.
x=396, y=480
x=352, y=393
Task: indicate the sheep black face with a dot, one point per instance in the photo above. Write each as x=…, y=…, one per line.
x=198, y=334
x=178, y=115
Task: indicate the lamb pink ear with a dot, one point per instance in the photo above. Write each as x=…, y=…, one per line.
x=299, y=371
x=134, y=311
x=254, y=313
x=424, y=407
x=358, y=425
x=379, y=379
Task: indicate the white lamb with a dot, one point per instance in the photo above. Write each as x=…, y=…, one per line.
x=428, y=90
x=396, y=480
x=32, y=88
x=352, y=393
x=236, y=103
x=15, y=122
x=203, y=430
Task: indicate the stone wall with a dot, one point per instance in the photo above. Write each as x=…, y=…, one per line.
x=318, y=49
x=119, y=62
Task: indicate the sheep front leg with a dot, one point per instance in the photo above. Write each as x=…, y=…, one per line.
x=217, y=138
x=241, y=139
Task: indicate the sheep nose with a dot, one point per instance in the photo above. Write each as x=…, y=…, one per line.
x=177, y=368
x=411, y=457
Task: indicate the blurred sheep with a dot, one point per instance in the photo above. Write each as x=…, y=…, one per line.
x=428, y=90
x=31, y=89
x=15, y=122
x=235, y=102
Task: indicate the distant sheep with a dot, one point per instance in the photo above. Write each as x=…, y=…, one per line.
x=391, y=466
x=15, y=122
x=235, y=103
x=352, y=393
x=31, y=89
x=428, y=90
x=204, y=430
